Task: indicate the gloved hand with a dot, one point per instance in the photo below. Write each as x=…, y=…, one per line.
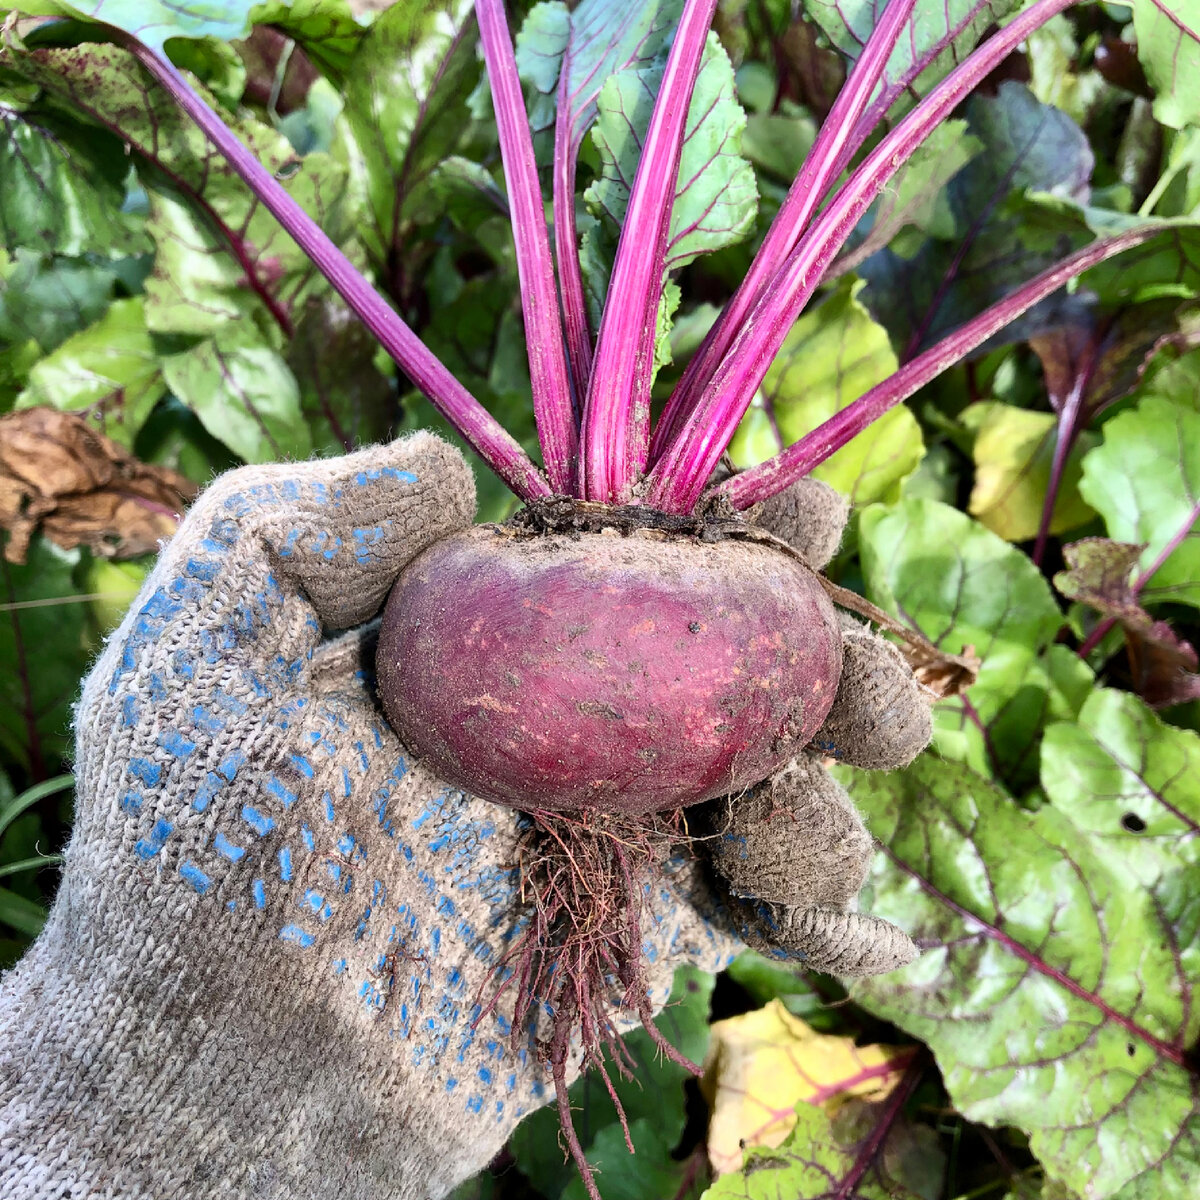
x=261, y=973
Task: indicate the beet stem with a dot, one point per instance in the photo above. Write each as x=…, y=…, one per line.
x=768, y=478
x=486, y=436
x=616, y=416
x=680, y=475
x=552, y=406
x=566, y=241
x=835, y=143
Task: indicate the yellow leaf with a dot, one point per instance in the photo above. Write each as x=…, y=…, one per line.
x=760, y=1065
x=1013, y=452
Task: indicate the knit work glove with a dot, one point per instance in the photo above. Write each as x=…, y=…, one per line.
x=263, y=972
x=260, y=975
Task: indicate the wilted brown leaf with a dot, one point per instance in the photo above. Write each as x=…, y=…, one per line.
x=81, y=488
x=1100, y=574
x=943, y=674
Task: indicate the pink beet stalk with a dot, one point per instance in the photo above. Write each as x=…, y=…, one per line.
x=566, y=243
x=893, y=89
x=566, y=240
x=616, y=417
x=486, y=436
x=552, y=406
x=765, y=480
x=680, y=474
x=829, y=154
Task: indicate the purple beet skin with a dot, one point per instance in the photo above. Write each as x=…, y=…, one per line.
x=629, y=673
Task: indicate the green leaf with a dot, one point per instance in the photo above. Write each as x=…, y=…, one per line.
x=1143, y=482
x=44, y=650
x=460, y=190
x=961, y=585
x=819, y=1161
x=1093, y=362
x=154, y=21
x=597, y=40
x=326, y=30
x=653, y=1099
x=34, y=864
x=243, y=393
x=109, y=370
x=46, y=299
x=62, y=186
x=1055, y=990
x=1013, y=449
x=939, y=35
x=221, y=257
x=1164, y=266
x=916, y=199
x=26, y=917
x=765, y=979
x=16, y=361
x=1168, y=45
x=650, y=1172
x=1058, y=78
x=1130, y=781
x=12, y=806
x=244, y=270
x=831, y=356
x=345, y=399
x=1100, y=575
x=1024, y=145
x=215, y=64
x=113, y=587
x=716, y=198
x=406, y=107
x=476, y=330
x=175, y=437
x=778, y=144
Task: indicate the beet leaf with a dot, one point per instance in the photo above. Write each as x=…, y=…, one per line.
x=1102, y=574
x=405, y=112
x=961, y=585
x=1146, y=491
x=1037, y=1021
x=1168, y=45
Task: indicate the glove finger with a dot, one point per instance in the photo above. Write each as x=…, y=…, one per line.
x=825, y=939
x=881, y=717
x=268, y=555
x=796, y=839
x=342, y=529
x=810, y=516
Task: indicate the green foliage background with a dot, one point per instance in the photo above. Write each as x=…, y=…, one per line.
x=1044, y=851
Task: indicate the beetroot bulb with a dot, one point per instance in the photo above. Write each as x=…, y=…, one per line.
x=606, y=668
x=625, y=672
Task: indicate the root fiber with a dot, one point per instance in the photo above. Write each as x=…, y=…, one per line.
x=580, y=957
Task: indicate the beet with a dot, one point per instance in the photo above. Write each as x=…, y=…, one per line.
x=631, y=672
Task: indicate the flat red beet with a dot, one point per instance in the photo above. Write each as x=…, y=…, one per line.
x=626, y=672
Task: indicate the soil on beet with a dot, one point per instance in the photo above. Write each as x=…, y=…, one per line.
x=625, y=670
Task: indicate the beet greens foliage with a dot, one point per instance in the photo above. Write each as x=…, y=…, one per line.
x=987, y=209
